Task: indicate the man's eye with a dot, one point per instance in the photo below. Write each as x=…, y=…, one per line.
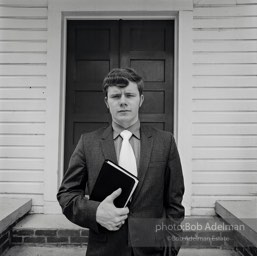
x=130, y=95
x=115, y=96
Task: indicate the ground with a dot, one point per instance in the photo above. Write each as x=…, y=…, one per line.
x=80, y=251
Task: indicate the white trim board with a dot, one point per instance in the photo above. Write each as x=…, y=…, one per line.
x=59, y=11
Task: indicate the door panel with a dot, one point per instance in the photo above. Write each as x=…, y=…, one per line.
x=148, y=47
x=93, y=49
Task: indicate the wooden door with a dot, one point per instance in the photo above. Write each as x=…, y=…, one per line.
x=93, y=49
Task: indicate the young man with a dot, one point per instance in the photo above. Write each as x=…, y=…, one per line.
x=158, y=196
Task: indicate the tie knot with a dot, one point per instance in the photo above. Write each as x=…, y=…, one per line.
x=126, y=134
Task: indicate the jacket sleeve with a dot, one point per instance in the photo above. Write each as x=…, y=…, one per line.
x=174, y=190
x=71, y=195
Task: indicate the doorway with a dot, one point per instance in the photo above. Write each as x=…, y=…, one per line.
x=93, y=49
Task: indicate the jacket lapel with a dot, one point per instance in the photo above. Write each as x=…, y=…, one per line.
x=108, y=145
x=145, y=156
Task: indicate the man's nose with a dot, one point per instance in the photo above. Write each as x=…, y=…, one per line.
x=123, y=99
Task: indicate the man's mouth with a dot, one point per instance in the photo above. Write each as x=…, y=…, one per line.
x=123, y=110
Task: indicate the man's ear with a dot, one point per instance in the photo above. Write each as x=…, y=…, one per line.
x=141, y=100
x=106, y=102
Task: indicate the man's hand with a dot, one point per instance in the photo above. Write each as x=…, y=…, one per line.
x=109, y=216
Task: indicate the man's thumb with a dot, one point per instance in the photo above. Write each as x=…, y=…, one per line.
x=114, y=194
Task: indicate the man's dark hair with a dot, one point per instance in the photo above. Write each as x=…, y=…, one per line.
x=121, y=77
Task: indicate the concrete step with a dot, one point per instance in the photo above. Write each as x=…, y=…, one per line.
x=242, y=215
x=80, y=251
x=11, y=210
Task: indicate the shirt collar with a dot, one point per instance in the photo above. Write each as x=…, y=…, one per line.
x=134, y=129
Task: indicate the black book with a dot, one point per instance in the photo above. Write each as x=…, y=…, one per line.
x=110, y=178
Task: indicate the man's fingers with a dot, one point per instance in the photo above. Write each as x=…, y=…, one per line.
x=120, y=219
x=123, y=217
x=114, y=194
x=123, y=211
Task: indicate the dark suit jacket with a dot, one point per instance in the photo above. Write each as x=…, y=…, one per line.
x=157, y=197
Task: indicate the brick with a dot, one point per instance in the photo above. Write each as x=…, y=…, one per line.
x=4, y=237
x=57, y=240
x=84, y=232
x=229, y=239
x=36, y=240
x=253, y=250
x=238, y=252
x=23, y=232
x=17, y=239
x=79, y=240
x=217, y=243
x=5, y=245
x=68, y=232
x=243, y=251
x=201, y=240
x=249, y=252
x=47, y=232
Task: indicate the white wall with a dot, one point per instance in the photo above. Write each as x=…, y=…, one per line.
x=224, y=102
x=23, y=32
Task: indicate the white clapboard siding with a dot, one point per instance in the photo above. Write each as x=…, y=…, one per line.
x=21, y=187
x=201, y=3
x=225, y=189
x=13, y=11
x=224, y=177
x=25, y=58
x=243, y=165
x=22, y=128
x=209, y=201
x=225, y=105
x=226, y=11
x=225, y=81
x=224, y=141
x=224, y=69
x=21, y=164
x=24, y=3
x=21, y=46
x=241, y=22
x=233, y=58
x=19, y=81
x=224, y=117
x=224, y=46
x=32, y=35
x=21, y=175
x=9, y=23
x=23, y=93
x=224, y=93
x=37, y=199
x=225, y=34
x=22, y=152
x=22, y=105
x=22, y=140
x=224, y=130
x=23, y=69
x=225, y=153
x=22, y=116
x=23, y=83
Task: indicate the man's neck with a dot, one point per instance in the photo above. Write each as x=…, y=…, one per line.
x=126, y=125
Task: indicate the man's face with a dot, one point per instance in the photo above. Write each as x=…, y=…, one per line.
x=124, y=104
